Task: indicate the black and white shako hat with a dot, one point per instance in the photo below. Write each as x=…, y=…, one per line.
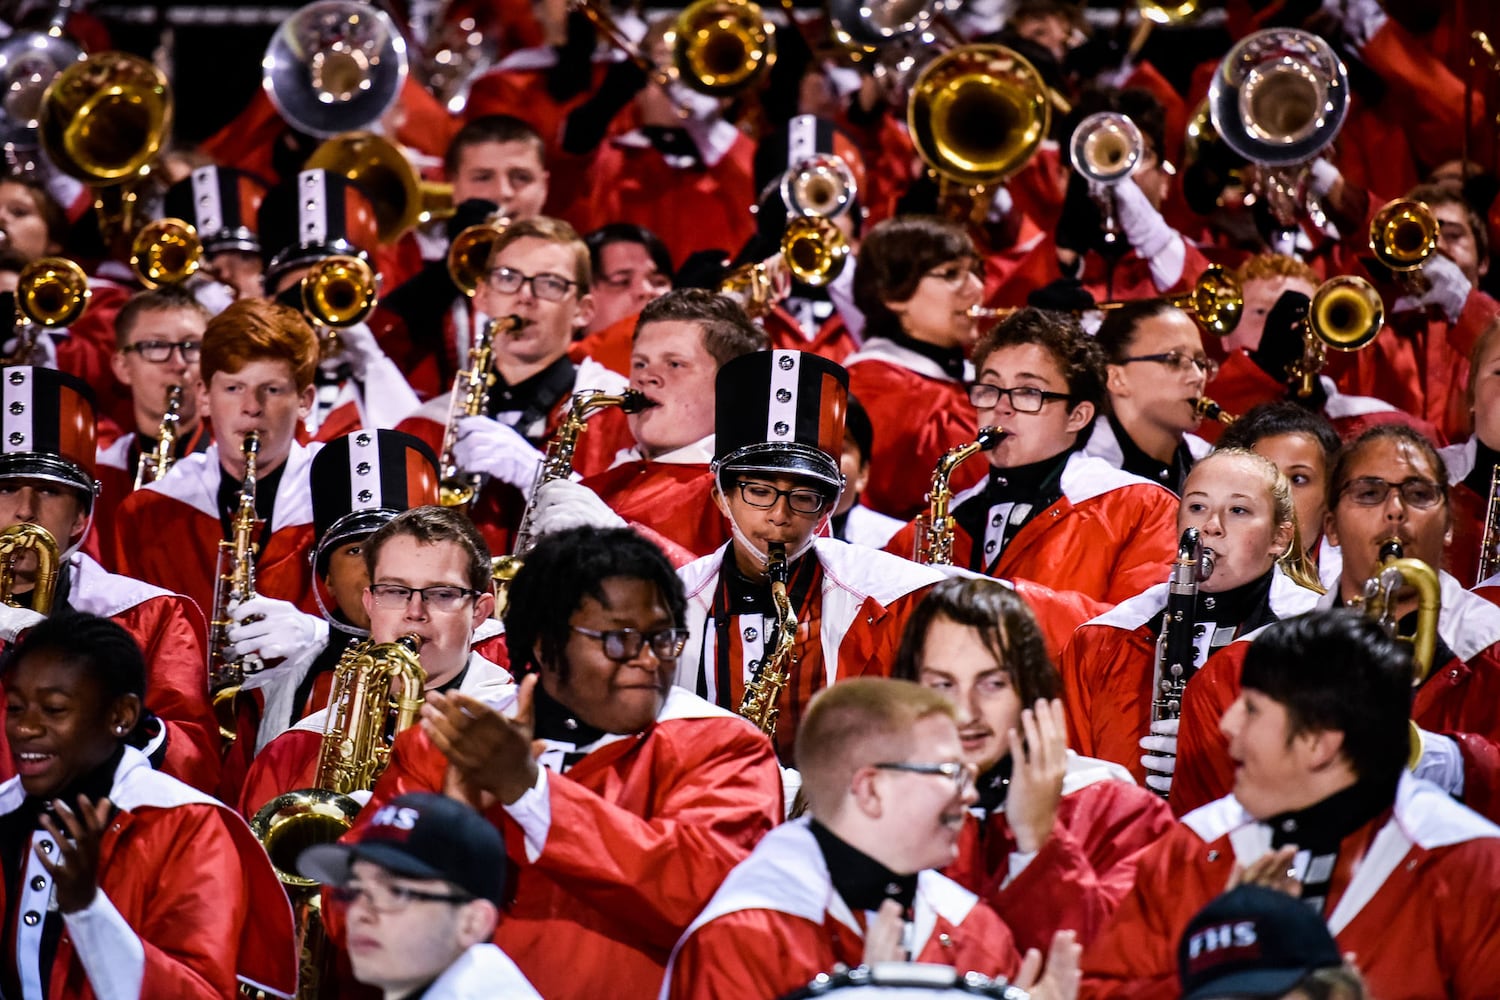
x=315, y=215
x=48, y=427
x=781, y=412
x=362, y=480
x=222, y=204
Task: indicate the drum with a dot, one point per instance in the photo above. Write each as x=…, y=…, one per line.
x=905, y=981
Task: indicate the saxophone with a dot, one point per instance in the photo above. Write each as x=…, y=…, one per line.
x=934, y=529
x=763, y=692
x=1489, y=561
x=19, y=538
x=471, y=393
x=154, y=464
x=234, y=584
x=1175, y=653
x=377, y=689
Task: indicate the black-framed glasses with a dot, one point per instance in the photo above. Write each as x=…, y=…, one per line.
x=961, y=774
x=763, y=496
x=624, y=644
x=159, y=351
x=443, y=597
x=391, y=898
x=1178, y=362
x=550, y=287
x=1371, y=491
x=1023, y=398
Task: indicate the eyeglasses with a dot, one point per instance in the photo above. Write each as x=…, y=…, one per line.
x=1179, y=362
x=1371, y=491
x=620, y=280
x=159, y=351
x=624, y=644
x=390, y=898
x=763, y=496
x=443, y=597
x=957, y=271
x=962, y=775
x=1023, y=398
x=549, y=287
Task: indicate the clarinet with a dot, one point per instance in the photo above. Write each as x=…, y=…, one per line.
x=1175, y=653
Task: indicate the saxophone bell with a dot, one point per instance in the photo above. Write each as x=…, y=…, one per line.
x=933, y=543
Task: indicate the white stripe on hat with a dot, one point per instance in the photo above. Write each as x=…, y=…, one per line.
x=801, y=139
x=781, y=414
x=312, y=207
x=364, y=470
x=208, y=210
x=18, y=421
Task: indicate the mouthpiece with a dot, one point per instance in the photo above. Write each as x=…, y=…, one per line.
x=1207, y=409
x=988, y=437
x=511, y=324
x=636, y=401
x=1390, y=549
x=251, y=444
x=987, y=312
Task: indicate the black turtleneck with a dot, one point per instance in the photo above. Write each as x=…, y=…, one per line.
x=1485, y=460
x=1011, y=497
x=533, y=398
x=1228, y=614
x=190, y=443
x=265, y=499
x=1170, y=474
x=992, y=786
x=557, y=722
x=1320, y=830
x=861, y=881
x=949, y=359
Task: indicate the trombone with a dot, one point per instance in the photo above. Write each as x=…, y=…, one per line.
x=1403, y=235
x=813, y=251
x=1345, y=314
x=334, y=66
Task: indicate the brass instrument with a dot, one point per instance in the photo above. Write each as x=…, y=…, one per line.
x=611, y=31
x=934, y=528
x=377, y=692
x=154, y=464
x=470, y=395
x=333, y=66
x=1216, y=301
x=27, y=537
x=813, y=251
x=763, y=691
x=820, y=185
x=234, y=583
x=401, y=198
x=720, y=47
x=469, y=253
x=1207, y=409
x=337, y=292
x=29, y=62
x=50, y=292
x=166, y=252
x=1345, y=314
x=1403, y=234
x=1105, y=150
x=1488, y=558
x=1396, y=574
x=859, y=25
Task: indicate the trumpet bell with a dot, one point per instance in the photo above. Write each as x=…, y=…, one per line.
x=978, y=114
x=402, y=200
x=1403, y=234
x=821, y=185
x=814, y=250
x=334, y=66
x=103, y=120
x=722, y=46
x=339, y=291
x=469, y=255
x=1217, y=300
x=1279, y=97
x=1346, y=313
x=52, y=291
x=295, y=821
x=1106, y=147
x=166, y=252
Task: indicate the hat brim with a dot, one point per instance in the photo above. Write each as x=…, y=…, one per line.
x=332, y=864
x=796, y=460
x=50, y=468
x=1251, y=984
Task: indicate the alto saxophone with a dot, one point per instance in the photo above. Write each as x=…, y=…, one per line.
x=234, y=584
x=377, y=690
x=934, y=529
x=763, y=692
x=155, y=463
x=470, y=396
x=1176, y=655
x=1489, y=560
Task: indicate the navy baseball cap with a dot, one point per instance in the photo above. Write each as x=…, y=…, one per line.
x=1253, y=942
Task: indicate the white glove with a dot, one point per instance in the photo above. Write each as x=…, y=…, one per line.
x=1441, y=763
x=358, y=347
x=488, y=447
x=215, y=296
x=1155, y=242
x=1447, y=289
x=562, y=504
x=272, y=629
x=1001, y=205
x=1161, y=758
x=1322, y=178
x=14, y=621
x=1360, y=19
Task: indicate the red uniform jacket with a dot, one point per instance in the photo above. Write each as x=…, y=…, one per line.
x=1460, y=698
x=1079, y=876
x=1109, y=670
x=169, y=532
x=777, y=922
x=617, y=854
x=1461, y=557
x=673, y=495
x=834, y=340
x=181, y=875
x=1419, y=912
x=610, y=347
x=1111, y=535
x=917, y=413
x=850, y=627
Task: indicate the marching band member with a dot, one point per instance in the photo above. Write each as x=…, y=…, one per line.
x=120, y=881
x=222, y=205
x=46, y=479
x=255, y=374
x=1242, y=506
x=1050, y=512
x=887, y=788
x=624, y=800
x=1155, y=373
x=1471, y=465
x=1388, y=483
x=778, y=434
x=916, y=281
x=852, y=521
x=1403, y=875
x=1050, y=842
x=631, y=266
x=429, y=576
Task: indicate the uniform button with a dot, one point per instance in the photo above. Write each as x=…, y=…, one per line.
x=995, y=521
x=754, y=665
x=751, y=634
x=46, y=847
x=989, y=546
x=38, y=883
x=32, y=918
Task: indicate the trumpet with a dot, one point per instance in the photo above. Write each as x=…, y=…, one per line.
x=763, y=693
x=470, y=396
x=338, y=292
x=1105, y=150
x=1395, y=575
x=1345, y=314
x=154, y=464
x=934, y=528
x=469, y=253
x=166, y=252
x=27, y=537
x=50, y=292
x=813, y=251
x=819, y=185
x=1403, y=235
x=1215, y=301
